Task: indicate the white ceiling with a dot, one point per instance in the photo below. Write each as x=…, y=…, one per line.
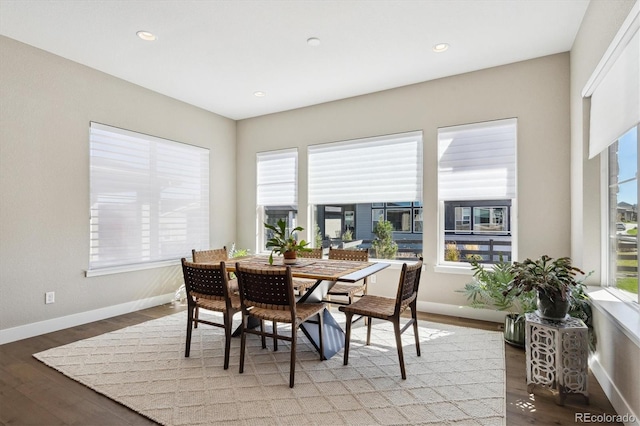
x=216, y=53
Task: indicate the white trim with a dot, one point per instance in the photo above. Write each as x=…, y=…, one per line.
x=623, y=314
x=619, y=403
x=604, y=216
x=462, y=311
x=130, y=268
x=37, y=328
x=624, y=34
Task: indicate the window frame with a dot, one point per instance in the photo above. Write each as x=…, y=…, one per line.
x=605, y=255
x=108, y=160
x=461, y=266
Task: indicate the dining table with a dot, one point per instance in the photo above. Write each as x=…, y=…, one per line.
x=326, y=272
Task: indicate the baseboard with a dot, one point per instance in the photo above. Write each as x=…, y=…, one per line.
x=37, y=328
x=618, y=402
x=462, y=311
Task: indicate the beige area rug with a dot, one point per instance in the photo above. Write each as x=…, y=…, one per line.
x=458, y=380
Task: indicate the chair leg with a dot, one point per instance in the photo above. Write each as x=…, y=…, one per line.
x=415, y=328
x=347, y=338
x=275, y=339
x=187, y=349
x=369, y=330
x=264, y=340
x=396, y=328
x=228, y=319
x=243, y=341
x=292, y=367
x=196, y=316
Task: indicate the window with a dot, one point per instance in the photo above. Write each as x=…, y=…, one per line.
x=277, y=189
x=371, y=180
x=623, y=215
x=477, y=191
x=490, y=220
x=149, y=198
x=463, y=220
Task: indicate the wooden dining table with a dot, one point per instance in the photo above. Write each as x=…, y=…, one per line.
x=326, y=272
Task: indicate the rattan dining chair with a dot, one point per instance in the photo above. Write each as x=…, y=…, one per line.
x=267, y=295
x=207, y=287
x=212, y=256
x=303, y=284
x=347, y=290
x=389, y=309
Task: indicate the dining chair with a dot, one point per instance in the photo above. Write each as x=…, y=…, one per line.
x=213, y=256
x=303, y=284
x=207, y=287
x=347, y=290
x=267, y=295
x=389, y=309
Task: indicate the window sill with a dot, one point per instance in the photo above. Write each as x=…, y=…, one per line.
x=129, y=268
x=453, y=269
x=624, y=314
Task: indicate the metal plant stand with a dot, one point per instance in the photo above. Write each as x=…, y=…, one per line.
x=557, y=356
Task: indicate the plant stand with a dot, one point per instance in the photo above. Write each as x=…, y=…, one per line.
x=557, y=356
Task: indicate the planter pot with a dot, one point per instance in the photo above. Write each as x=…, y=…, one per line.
x=514, y=327
x=290, y=258
x=554, y=309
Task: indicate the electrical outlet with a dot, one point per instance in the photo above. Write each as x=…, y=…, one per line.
x=373, y=278
x=50, y=297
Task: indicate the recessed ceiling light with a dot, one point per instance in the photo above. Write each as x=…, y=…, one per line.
x=259, y=94
x=440, y=47
x=313, y=41
x=146, y=35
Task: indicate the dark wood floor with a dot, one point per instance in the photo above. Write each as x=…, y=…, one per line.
x=34, y=394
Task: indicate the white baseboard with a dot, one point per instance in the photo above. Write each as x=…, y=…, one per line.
x=462, y=311
x=618, y=402
x=37, y=328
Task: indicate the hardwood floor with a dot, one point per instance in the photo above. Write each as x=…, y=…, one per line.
x=34, y=394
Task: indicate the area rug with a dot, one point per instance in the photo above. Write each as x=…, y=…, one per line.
x=458, y=380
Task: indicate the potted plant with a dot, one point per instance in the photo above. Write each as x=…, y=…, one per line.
x=285, y=242
x=552, y=279
x=488, y=290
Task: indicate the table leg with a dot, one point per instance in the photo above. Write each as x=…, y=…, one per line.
x=333, y=334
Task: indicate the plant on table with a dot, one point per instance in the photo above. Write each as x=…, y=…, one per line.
x=552, y=279
x=284, y=241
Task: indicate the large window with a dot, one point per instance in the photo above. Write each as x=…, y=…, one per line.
x=277, y=190
x=477, y=191
x=366, y=181
x=623, y=215
x=149, y=198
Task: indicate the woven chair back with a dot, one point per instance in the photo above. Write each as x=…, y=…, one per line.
x=205, y=280
x=213, y=255
x=315, y=253
x=356, y=255
x=409, y=283
x=266, y=288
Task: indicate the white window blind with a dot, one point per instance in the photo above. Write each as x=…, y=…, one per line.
x=149, y=198
x=277, y=183
x=477, y=161
x=378, y=169
x=615, y=87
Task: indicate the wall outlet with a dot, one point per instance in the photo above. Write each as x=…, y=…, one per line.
x=50, y=297
x=372, y=279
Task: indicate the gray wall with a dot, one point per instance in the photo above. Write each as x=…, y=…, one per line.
x=536, y=92
x=46, y=105
x=615, y=360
